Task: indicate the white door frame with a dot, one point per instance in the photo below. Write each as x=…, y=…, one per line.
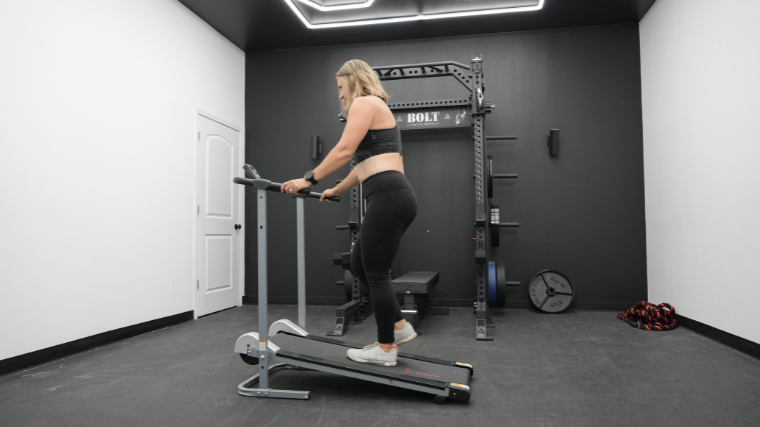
x=241, y=204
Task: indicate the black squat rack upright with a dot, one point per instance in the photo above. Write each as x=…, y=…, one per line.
x=490, y=284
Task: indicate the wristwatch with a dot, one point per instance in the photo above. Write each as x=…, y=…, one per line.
x=309, y=176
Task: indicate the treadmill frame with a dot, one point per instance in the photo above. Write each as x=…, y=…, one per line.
x=273, y=359
x=277, y=359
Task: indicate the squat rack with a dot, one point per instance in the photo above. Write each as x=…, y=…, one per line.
x=445, y=113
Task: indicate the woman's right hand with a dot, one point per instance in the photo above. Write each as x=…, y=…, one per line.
x=328, y=193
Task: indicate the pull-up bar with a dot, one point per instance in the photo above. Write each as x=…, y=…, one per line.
x=426, y=64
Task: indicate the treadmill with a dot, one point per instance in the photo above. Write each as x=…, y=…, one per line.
x=286, y=345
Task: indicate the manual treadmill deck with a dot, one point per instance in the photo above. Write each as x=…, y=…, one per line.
x=411, y=369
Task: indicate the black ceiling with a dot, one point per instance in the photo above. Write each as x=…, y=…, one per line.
x=256, y=25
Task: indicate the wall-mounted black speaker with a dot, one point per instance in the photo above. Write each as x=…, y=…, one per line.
x=316, y=147
x=553, y=142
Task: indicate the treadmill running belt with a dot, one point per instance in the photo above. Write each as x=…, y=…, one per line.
x=430, y=374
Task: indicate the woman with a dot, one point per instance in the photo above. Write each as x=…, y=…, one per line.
x=372, y=137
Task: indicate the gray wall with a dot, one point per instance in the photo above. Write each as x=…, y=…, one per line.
x=581, y=213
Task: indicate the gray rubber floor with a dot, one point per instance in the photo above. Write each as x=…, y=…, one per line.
x=572, y=369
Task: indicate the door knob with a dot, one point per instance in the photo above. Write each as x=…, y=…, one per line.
x=238, y=226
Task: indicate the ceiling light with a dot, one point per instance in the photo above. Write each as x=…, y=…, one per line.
x=321, y=8
x=399, y=19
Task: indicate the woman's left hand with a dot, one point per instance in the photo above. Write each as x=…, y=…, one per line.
x=294, y=186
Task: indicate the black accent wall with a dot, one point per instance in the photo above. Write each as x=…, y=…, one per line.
x=581, y=212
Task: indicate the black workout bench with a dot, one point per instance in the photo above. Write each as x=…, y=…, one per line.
x=416, y=286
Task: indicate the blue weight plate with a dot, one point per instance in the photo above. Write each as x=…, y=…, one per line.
x=492, y=283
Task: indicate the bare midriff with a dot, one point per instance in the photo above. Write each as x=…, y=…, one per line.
x=379, y=163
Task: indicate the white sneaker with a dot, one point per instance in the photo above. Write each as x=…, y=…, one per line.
x=405, y=335
x=373, y=354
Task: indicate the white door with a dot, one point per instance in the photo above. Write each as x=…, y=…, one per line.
x=216, y=236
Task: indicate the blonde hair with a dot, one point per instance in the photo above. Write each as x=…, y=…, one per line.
x=361, y=80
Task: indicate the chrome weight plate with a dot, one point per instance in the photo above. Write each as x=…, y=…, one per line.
x=551, y=291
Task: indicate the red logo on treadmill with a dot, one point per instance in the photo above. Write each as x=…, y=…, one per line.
x=410, y=371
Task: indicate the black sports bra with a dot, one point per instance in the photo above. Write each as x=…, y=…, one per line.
x=378, y=141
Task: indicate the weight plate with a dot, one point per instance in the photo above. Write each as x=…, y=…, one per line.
x=551, y=291
x=489, y=178
x=348, y=287
x=501, y=284
x=493, y=231
x=492, y=291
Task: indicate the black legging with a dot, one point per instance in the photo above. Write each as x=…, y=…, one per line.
x=391, y=208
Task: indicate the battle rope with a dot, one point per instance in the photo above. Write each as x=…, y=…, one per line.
x=644, y=315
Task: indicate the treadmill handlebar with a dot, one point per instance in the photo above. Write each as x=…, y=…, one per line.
x=251, y=172
x=265, y=184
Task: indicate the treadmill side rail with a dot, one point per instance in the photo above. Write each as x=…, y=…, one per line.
x=438, y=361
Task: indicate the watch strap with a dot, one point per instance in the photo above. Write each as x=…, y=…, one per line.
x=309, y=176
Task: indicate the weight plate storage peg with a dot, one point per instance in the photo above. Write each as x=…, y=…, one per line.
x=551, y=291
